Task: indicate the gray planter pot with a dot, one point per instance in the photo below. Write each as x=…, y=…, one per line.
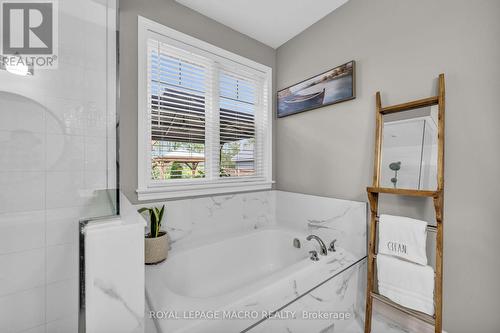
x=156, y=249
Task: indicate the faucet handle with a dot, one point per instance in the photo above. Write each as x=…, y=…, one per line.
x=314, y=255
x=332, y=246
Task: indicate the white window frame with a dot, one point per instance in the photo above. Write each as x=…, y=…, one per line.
x=151, y=190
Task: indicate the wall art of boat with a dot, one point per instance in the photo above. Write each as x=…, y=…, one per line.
x=305, y=101
x=333, y=86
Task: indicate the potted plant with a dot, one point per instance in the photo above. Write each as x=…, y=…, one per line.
x=156, y=242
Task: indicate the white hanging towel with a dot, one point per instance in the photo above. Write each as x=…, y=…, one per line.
x=406, y=283
x=403, y=237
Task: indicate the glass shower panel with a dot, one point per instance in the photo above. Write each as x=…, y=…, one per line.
x=57, y=165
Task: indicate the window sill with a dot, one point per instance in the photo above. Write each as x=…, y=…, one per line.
x=192, y=190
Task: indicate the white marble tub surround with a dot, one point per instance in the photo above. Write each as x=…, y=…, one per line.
x=335, y=297
x=114, y=272
x=329, y=218
x=235, y=252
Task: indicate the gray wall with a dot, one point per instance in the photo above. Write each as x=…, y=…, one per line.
x=400, y=48
x=185, y=20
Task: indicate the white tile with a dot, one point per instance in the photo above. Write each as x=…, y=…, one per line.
x=62, y=262
x=114, y=281
x=96, y=180
x=96, y=121
x=65, y=325
x=62, y=232
x=14, y=87
x=66, y=82
x=71, y=49
x=177, y=220
x=20, y=113
x=22, y=271
x=64, y=189
x=21, y=311
x=95, y=153
x=65, y=152
x=62, y=225
x=328, y=218
x=22, y=150
x=22, y=231
x=62, y=300
x=258, y=209
x=65, y=116
x=22, y=191
x=93, y=31
x=37, y=329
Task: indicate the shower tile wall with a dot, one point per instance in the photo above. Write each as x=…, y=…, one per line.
x=56, y=130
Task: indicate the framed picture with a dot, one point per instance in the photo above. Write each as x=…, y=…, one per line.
x=333, y=86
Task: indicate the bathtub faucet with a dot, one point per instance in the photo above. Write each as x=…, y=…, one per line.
x=322, y=245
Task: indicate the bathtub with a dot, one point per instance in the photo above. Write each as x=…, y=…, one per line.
x=231, y=285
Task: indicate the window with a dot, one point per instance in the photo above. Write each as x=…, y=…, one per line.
x=203, y=117
x=237, y=108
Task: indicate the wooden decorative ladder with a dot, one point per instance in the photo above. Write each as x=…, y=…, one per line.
x=437, y=196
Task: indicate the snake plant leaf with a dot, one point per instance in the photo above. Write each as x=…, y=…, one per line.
x=155, y=218
x=143, y=209
x=160, y=217
x=157, y=214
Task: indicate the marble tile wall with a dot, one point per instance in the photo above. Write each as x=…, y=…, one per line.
x=54, y=130
x=200, y=220
x=329, y=218
x=196, y=221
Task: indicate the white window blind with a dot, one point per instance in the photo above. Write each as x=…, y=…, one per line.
x=180, y=94
x=238, y=102
x=207, y=117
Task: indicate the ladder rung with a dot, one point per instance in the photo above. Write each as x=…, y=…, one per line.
x=410, y=105
x=416, y=314
x=401, y=191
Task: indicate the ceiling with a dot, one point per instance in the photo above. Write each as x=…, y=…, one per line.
x=272, y=22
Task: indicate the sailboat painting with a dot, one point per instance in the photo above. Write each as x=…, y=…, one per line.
x=333, y=86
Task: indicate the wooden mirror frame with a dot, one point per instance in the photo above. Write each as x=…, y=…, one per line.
x=438, y=100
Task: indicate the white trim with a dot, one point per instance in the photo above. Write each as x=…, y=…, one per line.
x=191, y=190
x=150, y=190
x=142, y=131
x=149, y=25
